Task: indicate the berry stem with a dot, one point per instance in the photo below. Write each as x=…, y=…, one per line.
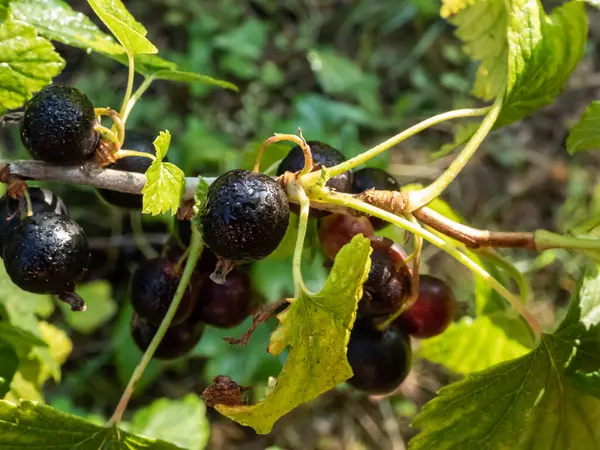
x=196, y=245
x=311, y=179
x=308, y=161
x=510, y=269
x=129, y=90
x=119, y=124
x=136, y=96
x=296, y=192
x=324, y=196
x=124, y=153
x=29, y=210
x=417, y=199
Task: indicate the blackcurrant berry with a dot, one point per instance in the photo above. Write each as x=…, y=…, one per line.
x=153, y=287
x=336, y=230
x=177, y=341
x=433, y=310
x=245, y=216
x=380, y=360
x=373, y=178
x=138, y=164
x=58, y=126
x=323, y=156
x=42, y=200
x=46, y=254
x=389, y=282
x=224, y=305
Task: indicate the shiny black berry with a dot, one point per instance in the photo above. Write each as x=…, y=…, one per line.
x=245, y=216
x=323, y=156
x=138, y=164
x=58, y=126
x=178, y=340
x=380, y=360
x=153, y=287
x=373, y=178
x=224, y=305
x=389, y=282
x=42, y=200
x=47, y=254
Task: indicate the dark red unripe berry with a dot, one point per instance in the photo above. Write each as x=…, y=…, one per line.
x=245, y=216
x=46, y=254
x=58, y=126
x=432, y=312
x=224, y=305
x=337, y=230
x=373, y=178
x=380, y=360
x=178, y=340
x=138, y=164
x=323, y=156
x=153, y=287
x=42, y=200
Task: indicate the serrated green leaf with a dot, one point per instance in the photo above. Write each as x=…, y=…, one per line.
x=193, y=78
x=101, y=307
x=57, y=21
x=9, y=364
x=130, y=33
x=316, y=329
x=528, y=402
x=585, y=135
x=27, y=63
x=161, y=144
x=476, y=344
x=180, y=422
x=39, y=427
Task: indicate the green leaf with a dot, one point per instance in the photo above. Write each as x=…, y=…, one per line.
x=166, y=182
x=334, y=72
x=100, y=307
x=57, y=21
x=316, y=329
x=27, y=63
x=35, y=426
x=9, y=364
x=528, y=402
x=181, y=422
x=476, y=344
x=585, y=135
x=587, y=382
x=18, y=337
x=130, y=33
x=192, y=78
x=199, y=199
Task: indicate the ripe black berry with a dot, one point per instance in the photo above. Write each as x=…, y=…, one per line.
x=323, y=156
x=389, y=282
x=177, y=341
x=46, y=254
x=153, y=287
x=245, y=216
x=336, y=230
x=373, y=178
x=380, y=360
x=224, y=305
x=42, y=200
x=58, y=126
x=138, y=164
x=432, y=312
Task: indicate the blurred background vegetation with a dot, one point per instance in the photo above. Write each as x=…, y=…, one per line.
x=350, y=73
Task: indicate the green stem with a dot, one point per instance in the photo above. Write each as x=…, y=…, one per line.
x=136, y=96
x=510, y=269
x=323, y=196
x=420, y=198
x=197, y=245
x=296, y=192
x=139, y=237
x=545, y=240
x=129, y=90
x=312, y=178
x=123, y=153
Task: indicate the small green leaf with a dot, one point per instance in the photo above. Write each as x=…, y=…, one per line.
x=57, y=21
x=27, y=63
x=36, y=426
x=18, y=337
x=528, y=402
x=585, y=135
x=180, y=422
x=199, y=199
x=166, y=182
x=193, y=78
x=130, y=33
x=476, y=344
x=316, y=329
x=9, y=364
x=100, y=307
